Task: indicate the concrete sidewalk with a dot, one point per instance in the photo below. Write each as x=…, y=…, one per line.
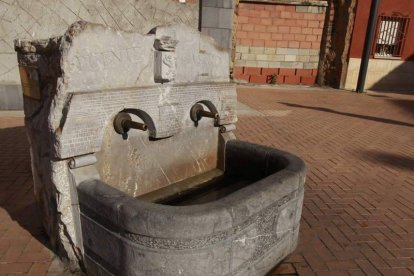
x=358, y=215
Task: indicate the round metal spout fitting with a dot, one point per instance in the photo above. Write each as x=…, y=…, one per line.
x=123, y=123
x=197, y=112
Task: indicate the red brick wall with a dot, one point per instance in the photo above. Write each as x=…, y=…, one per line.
x=269, y=25
x=272, y=38
x=275, y=75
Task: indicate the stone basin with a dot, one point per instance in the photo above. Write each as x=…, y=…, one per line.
x=244, y=230
x=136, y=168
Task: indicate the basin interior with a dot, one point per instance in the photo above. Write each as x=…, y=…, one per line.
x=213, y=212
x=206, y=187
x=202, y=191
x=211, y=190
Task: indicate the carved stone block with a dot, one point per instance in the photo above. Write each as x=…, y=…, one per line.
x=165, y=43
x=165, y=66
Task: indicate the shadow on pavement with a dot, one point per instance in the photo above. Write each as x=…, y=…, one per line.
x=365, y=117
x=16, y=183
x=406, y=105
x=377, y=96
x=390, y=159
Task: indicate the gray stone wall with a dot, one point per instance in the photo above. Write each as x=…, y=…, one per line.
x=11, y=97
x=217, y=20
x=35, y=19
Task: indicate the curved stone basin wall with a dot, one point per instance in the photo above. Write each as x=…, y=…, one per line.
x=244, y=233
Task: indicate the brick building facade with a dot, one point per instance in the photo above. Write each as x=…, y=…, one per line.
x=279, y=41
x=391, y=64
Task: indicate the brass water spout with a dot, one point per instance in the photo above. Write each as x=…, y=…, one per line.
x=123, y=123
x=197, y=112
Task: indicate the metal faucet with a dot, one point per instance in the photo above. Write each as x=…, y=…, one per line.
x=197, y=112
x=123, y=123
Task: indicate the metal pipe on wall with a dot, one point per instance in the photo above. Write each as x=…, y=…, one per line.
x=369, y=38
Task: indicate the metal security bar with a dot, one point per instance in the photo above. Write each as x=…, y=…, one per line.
x=391, y=35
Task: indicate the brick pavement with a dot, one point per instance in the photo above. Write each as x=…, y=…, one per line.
x=358, y=215
x=23, y=244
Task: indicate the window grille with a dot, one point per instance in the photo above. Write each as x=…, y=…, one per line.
x=391, y=34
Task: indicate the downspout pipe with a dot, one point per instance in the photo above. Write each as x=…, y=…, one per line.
x=369, y=38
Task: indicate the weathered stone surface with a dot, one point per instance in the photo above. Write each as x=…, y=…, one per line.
x=165, y=66
x=33, y=19
x=89, y=75
x=245, y=233
x=165, y=43
x=95, y=58
x=89, y=167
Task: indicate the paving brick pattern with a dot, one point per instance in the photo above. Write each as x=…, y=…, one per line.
x=358, y=215
x=23, y=244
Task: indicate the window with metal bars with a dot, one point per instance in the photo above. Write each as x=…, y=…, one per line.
x=391, y=34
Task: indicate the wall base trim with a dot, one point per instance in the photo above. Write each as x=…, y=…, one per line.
x=288, y=2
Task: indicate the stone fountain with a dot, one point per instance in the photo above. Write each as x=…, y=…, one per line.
x=136, y=168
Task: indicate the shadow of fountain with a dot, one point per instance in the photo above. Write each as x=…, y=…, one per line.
x=16, y=185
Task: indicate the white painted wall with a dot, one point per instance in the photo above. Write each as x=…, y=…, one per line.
x=383, y=74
